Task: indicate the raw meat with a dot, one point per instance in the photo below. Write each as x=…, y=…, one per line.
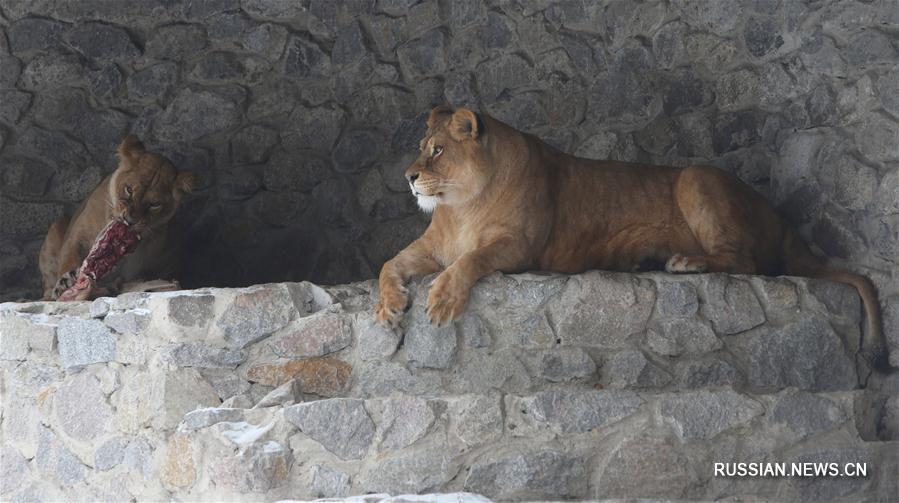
x=115, y=241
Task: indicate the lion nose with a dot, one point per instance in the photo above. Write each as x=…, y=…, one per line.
x=412, y=177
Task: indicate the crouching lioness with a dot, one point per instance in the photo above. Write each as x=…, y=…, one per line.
x=506, y=201
x=144, y=191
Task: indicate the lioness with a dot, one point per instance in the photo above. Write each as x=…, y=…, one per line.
x=506, y=201
x=144, y=191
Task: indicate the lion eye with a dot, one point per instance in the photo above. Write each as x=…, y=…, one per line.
x=438, y=149
x=128, y=190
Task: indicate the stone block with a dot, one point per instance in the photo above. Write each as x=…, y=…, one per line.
x=676, y=336
x=110, y=454
x=320, y=376
x=476, y=419
x=562, y=364
x=198, y=354
x=54, y=461
x=577, y=411
x=329, y=483
x=179, y=469
x=132, y=322
x=81, y=407
x=544, y=474
x=256, y=313
x=411, y=473
x=403, y=420
x=731, y=305
x=260, y=467
x=102, y=41
x=702, y=415
x=312, y=336
x=340, y=425
x=202, y=418
x=82, y=342
x=631, y=369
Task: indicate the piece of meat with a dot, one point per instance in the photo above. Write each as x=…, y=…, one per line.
x=115, y=241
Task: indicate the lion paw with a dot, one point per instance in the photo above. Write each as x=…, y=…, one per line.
x=446, y=300
x=390, y=307
x=681, y=264
x=64, y=283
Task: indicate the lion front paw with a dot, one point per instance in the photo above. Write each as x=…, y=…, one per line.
x=447, y=299
x=681, y=264
x=64, y=283
x=390, y=307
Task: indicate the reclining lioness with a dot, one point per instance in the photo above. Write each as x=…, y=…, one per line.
x=506, y=201
x=144, y=192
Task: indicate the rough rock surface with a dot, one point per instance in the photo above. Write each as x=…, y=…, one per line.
x=319, y=402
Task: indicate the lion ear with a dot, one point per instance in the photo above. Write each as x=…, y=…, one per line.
x=436, y=114
x=130, y=147
x=465, y=125
x=185, y=182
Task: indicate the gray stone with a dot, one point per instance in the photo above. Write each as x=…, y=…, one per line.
x=259, y=467
x=82, y=342
x=868, y=47
x=13, y=471
x=425, y=56
x=154, y=83
x=631, y=369
x=175, y=41
x=267, y=40
x=676, y=298
x=220, y=66
x=81, y=407
x=197, y=354
x=649, y=467
x=427, y=345
x=53, y=460
x=576, y=411
x=102, y=41
x=105, y=81
x=13, y=104
x=602, y=309
x=380, y=378
x=255, y=313
x=329, y=483
x=251, y=145
x=313, y=128
x=374, y=341
x=14, y=343
x=807, y=414
x=46, y=71
x=139, y=456
x=476, y=419
x=731, y=305
x=340, y=425
x=129, y=322
x=702, y=415
x=876, y=138
x=484, y=371
x=110, y=454
x=304, y=59
x=546, y=474
x=202, y=418
x=404, y=420
x=34, y=34
x=274, y=9
x=316, y=335
x=195, y=114
x=805, y=353
x=413, y=473
x=706, y=374
x=563, y=364
x=673, y=337
x=356, y=151
x=191, y=310
x=285, y=394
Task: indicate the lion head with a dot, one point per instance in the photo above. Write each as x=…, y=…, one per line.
x=449, y=169
x=146, y=189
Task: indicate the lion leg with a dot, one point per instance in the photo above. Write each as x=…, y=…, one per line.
x=414, y=260
x=720, y=225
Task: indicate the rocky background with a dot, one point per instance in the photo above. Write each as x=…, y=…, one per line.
x=302, y=114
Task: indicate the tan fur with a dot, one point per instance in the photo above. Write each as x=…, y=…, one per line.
x=153, y=181
x=506, y=201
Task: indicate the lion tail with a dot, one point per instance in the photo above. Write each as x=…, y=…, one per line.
x=800, y=261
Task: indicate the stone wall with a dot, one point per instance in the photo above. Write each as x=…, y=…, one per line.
x=549, y=387
x=302, y=114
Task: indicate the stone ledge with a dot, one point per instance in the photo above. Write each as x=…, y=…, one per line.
x=287, y=390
